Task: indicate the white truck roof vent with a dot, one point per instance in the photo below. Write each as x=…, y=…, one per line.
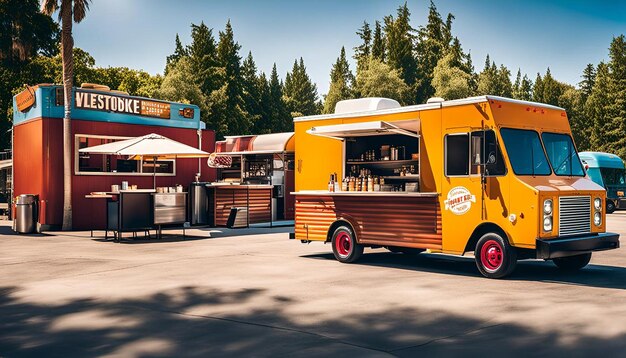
x=365, y=105
x=435, y=100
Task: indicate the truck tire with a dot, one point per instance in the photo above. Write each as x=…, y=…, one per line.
x=345, y=247
x=610, y=206
x=404, y=250
x=572, y=263
x=495, y=257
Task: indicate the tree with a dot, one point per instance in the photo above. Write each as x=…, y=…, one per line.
x=616, y=109
x=300, y=93
x=281, y=119
x=597, y=107
x=179, y=52
x=341, y=82
x=25, y=33
x=203, y=54
x=69, y=11
x=450, y=81
x=362, y=52
x=380, y=80
x=495, y=81
x=571, y=99
x=252, y=89
x=179, y=86
x=432, y=45
x=589, y=78
x=379, y=48
x=400, y=37
x=232, y=116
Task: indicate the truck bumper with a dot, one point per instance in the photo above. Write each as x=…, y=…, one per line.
x=562, y=247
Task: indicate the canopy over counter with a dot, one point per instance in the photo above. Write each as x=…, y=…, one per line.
x=366, y=129
x=259, y=144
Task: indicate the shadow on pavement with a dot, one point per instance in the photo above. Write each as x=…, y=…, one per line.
x=187, y=321
x=530, y=270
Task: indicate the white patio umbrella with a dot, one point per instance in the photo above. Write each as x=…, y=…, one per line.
x=152, y=146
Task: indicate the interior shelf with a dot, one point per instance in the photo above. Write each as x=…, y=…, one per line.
x=379, y=162
x=412, y=177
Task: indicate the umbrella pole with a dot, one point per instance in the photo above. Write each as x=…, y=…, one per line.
x=154, y=173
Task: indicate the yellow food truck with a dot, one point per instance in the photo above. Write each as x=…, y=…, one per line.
x=490, y=175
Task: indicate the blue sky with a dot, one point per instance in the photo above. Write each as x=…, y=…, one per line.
x=532, y=34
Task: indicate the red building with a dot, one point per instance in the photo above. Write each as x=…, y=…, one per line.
x=98, y=116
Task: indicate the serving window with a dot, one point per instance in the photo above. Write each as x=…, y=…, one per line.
x=106, y=164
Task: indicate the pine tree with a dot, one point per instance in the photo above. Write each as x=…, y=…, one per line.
x=616, y=109
x=179, y=52
x=341, y=83
x=596, y=107
x=300, y=92
x=518, y=84
x=433, y=43
x=538, y=89
x=203, y=54
x=589, y=78
x=379, y=48
x=552, y=89
x=281, y=119
x=232, y=117
x=363, y=51
x=264, y=123
x=251, y=91
x=400, y=37
x=526, y=89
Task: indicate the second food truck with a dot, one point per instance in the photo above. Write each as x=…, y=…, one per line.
x=492, y=175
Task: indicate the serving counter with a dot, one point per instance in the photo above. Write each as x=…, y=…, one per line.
x=257, y=199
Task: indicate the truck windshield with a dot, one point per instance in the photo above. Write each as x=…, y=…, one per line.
x=525, y=152
x=562, y=154
x=613, y=176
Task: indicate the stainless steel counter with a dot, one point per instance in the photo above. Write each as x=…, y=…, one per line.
x=170, y=208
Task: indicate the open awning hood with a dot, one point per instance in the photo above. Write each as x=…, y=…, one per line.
x=365, y=129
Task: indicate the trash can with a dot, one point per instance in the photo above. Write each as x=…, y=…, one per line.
x=238, y=218
x=26, y=213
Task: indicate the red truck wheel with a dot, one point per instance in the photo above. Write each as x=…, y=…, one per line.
x=495, y=258
x=345, y=247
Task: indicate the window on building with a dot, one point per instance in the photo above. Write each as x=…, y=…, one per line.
x=89, y=163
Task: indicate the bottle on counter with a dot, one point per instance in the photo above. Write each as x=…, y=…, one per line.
x=344, y=184
x=370, y=183
x=351, y=184
x=331, y=184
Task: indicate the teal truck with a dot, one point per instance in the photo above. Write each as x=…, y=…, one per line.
x=607, y=170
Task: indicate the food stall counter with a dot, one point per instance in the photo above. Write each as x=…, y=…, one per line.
x=255, y=198
x=365, y=193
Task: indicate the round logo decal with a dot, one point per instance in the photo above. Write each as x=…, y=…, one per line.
x=459, y=200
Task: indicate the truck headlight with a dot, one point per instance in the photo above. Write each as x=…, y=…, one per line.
x=597, y=203
x=547, y=206
x=547, y=223
x=597, y=219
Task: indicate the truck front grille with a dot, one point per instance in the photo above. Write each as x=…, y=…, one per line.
x=574, y=215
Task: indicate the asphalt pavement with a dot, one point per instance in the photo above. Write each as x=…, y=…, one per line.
x=254, y=292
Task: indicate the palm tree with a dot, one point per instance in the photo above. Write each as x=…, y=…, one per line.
x=69, y=11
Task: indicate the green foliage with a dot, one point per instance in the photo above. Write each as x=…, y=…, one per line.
x=379, y=48
x=363, y=51
x=433, y=44
x=380, y=80
x=449, y=80
x=341, y=83
x=300, y=93
x=400, y=37
x=179, y=52
x=495, y=81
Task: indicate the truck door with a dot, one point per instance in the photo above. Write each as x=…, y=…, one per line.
x=473, y=183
